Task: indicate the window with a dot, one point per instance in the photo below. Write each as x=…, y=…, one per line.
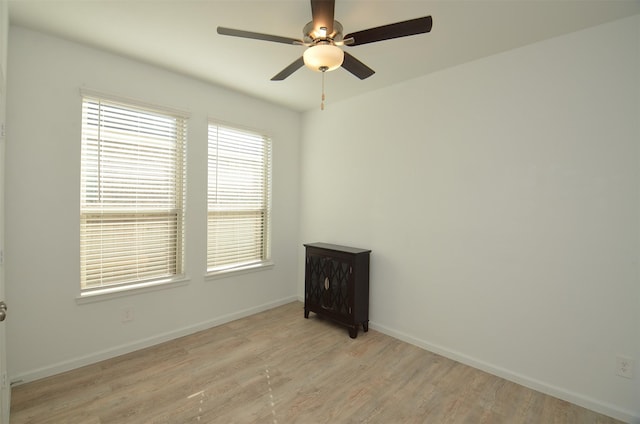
x=132, y=195
x=239, y=199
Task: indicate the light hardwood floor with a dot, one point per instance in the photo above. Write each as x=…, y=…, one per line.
x=276, y=367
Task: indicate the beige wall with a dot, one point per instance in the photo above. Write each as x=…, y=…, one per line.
x=500, y=199
x=49, y=331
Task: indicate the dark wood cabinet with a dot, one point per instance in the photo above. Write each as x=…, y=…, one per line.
x=337, y=284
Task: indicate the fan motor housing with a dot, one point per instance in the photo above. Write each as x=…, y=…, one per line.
x=310, y=35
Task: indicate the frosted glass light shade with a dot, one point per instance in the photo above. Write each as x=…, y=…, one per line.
x=323, y=55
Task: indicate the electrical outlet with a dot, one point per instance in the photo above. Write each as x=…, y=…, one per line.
x=624, y=366
x=127, y=314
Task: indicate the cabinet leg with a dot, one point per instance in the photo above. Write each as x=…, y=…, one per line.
x=353, y=332
x=365, y=326
x=306, y=313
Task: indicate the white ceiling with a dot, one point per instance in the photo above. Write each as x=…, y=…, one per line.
x=180, y=35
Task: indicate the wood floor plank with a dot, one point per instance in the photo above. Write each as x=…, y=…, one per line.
x=277, y=367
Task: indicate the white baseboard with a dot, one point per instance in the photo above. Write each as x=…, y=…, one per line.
x=540, y=386
x=94, y=357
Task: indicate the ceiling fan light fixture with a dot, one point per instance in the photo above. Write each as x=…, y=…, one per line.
x=323, y=57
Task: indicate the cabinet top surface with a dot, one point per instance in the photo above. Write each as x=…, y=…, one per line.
x=337, y=248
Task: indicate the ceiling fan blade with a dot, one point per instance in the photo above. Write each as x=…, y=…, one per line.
x=356, y=67
x=257, y=36
x=387, y=32
x=299, y=63
x=322, y=12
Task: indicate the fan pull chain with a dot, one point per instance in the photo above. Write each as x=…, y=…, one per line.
x=322, y=102
x=323, y=69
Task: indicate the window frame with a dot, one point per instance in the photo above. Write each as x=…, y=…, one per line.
x=131, y=210
x=265, y=261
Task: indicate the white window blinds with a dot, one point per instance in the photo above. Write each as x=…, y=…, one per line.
x=239, y=204
x=132, y=194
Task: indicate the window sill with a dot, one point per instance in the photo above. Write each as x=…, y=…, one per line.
x=115, y=292
x=224, y=273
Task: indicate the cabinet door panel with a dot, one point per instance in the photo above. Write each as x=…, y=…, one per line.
x=328, y=284
x=315, y=279
x=338, y=291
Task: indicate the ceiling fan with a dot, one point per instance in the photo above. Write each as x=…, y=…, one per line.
x=323, y=39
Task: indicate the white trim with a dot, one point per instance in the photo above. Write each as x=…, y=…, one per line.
x=95, y=94
x=540, y=386
x=240, y=127
x=233, y=271
x=102, y=355
x=107, y=293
